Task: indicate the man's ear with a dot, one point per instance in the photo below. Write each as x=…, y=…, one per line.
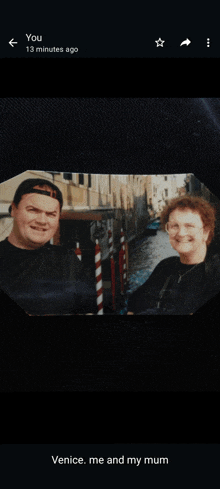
x=13, y=207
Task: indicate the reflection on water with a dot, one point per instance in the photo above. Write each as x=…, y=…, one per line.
x=147, y=253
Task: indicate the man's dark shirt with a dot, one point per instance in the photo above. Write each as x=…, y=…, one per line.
x=48, y=280
x=197, y=285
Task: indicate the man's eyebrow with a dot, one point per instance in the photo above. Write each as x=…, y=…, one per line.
x=32, y=207
x=37, y=209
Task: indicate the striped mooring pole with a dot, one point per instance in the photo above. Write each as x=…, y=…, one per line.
x=123, y=257
x=110, y=242
x=121, y=270
x=112, y=268
x=78, y=251
x=98, y=274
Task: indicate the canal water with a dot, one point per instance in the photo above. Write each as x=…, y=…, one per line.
x=145, y=254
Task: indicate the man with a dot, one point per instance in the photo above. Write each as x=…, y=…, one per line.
x=42, y=278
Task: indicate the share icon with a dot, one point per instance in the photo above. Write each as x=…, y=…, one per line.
x=186, y=42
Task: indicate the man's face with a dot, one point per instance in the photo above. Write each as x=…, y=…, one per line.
x=190, y=234
x=36, y=220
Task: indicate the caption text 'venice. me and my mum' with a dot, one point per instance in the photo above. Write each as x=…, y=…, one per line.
x=110, y=461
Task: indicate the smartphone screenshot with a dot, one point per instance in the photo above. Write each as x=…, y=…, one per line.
x=129, y=281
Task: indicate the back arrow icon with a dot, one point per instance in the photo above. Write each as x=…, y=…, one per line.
x=12, y=42
x=187, y=42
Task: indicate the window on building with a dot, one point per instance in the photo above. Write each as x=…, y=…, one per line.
x=75, y=178
x=67, y=176
x=166, y=192
x=89, y=180
x=165, y=178
x=81, y=178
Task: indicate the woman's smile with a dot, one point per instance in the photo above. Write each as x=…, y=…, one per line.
x=183, y=240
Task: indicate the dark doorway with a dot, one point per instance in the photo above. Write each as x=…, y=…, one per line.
x=72, y=231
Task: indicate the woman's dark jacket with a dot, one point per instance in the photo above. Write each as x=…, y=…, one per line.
x=163, y=294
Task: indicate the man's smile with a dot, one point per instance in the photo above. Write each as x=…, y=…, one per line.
x=38, y=229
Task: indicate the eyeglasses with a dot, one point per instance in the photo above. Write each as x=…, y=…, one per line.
x=173, y=228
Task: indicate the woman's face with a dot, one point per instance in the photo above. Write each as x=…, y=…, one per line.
x=187, y=234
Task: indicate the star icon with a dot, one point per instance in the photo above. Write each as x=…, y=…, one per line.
x=160, y=43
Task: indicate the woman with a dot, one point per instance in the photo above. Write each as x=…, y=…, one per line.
x=180, y=285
